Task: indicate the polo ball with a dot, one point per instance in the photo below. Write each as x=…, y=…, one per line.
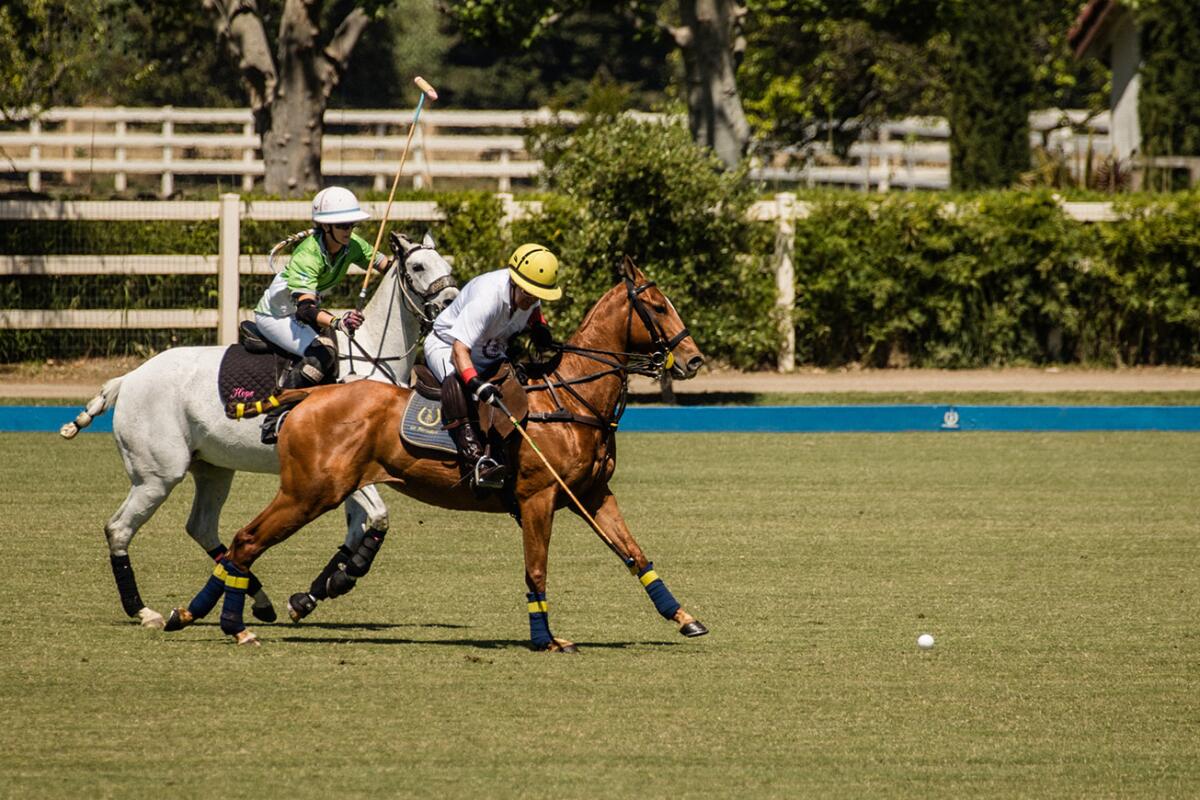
x=925, y=641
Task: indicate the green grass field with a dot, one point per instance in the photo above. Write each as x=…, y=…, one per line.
x=1057, y=571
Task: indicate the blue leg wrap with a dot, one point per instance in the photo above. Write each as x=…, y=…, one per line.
x=236, y=583
x=539, y=620
x=218, y=553
x=660, y=595
x=203, y=602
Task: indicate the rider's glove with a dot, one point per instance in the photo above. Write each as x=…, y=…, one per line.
x=482, y=390
x=349, y=322
x=542, y=338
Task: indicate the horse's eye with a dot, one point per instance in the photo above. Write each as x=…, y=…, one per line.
x=418, y=268
x=659, y=308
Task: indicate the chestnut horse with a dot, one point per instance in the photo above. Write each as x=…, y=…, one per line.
x=572, y=418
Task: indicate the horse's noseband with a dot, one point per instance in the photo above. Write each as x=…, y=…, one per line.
x=663, y=356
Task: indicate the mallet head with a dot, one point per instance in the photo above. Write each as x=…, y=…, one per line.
x=424, y=86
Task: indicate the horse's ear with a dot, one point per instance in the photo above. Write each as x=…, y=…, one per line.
x=428, y=241
x=630, y=270
x=404, y=243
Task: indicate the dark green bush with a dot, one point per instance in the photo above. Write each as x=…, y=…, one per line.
x=939, y=280
x=647, y=191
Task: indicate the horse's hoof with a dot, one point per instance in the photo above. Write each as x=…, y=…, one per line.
x=264, y=612
x=180, y=618
x=300, y=605
x=693, y=629
x=246, y=638
x=151, y=619
x=561, y=646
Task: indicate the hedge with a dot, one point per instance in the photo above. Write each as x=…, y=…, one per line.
x=937, y=280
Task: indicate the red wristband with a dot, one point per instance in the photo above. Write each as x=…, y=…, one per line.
x=469, y=374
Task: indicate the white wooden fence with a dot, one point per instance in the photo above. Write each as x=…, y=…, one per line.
x=230, y=265
x=61, y=144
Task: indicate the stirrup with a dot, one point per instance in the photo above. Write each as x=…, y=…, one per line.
x=489, y=473
x=270, y=427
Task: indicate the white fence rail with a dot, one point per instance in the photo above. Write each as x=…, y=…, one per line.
x=229, y=265
x=61, y=144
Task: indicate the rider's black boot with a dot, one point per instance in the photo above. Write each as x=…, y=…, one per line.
x=486, y=472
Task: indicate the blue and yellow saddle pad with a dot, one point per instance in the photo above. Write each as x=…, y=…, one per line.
x=422, y=425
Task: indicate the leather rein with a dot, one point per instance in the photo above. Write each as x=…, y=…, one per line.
x=410, y=297
x=651, y=365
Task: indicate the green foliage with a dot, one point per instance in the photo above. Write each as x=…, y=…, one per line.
x=647, y=191
x=934, y=280
x=991, y=84
x=841, y=64
x=47, y=47
x=997, y=279
x=1168, y=104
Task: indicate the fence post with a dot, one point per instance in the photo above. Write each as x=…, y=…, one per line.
x=35, y=155
x=229, y=244
x=785, y=278
x=248, y=159
x=119, y=181
x=508, y=210
x=168, y=153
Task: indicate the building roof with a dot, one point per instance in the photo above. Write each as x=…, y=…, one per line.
x=1092, y=30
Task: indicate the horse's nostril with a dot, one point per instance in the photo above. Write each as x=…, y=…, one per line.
x=694, y=363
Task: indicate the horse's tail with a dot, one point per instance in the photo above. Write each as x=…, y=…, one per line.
x=94, y=408
x=288, y=397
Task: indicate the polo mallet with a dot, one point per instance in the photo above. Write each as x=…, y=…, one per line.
x=591, y=520
x=431, y=93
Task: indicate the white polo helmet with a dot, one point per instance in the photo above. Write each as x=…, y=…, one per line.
x=337, y=204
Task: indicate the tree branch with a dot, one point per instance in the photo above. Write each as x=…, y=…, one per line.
x=337, y=52
x=239, y=24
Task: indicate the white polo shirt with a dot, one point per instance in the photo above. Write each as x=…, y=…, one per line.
x=483, y=318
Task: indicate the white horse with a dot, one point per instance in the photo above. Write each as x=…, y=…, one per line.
x=170, y=421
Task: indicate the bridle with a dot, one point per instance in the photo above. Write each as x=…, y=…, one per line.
x=416, y=302
x=619, y=363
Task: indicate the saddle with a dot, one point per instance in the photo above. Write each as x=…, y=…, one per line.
x=251, y=372
x=421, y=425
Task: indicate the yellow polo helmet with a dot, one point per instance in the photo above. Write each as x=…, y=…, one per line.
x=535, y=269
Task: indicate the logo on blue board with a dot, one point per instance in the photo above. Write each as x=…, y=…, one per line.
x=950, y=420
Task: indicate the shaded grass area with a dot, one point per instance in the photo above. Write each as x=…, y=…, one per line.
x=982, y=398
x=1057, y=572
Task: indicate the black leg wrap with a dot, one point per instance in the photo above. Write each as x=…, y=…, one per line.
x=318, y=588
x=340, y=583
x=131, y=601
x=360, y=562
x=255, y=585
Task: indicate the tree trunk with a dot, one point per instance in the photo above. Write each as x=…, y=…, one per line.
x=292, y=143
x=288, y=102
x=711, y=43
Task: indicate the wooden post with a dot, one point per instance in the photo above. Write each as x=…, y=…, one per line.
x=69, y=153
x=168, y=153
x=505, y=184
x=785, y=278
x=248, y=159
x=35, y=155
x=229, y=244
x=119, y=181
x=380, y=184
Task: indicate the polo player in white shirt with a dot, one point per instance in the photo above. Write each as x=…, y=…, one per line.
x=469, y=340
